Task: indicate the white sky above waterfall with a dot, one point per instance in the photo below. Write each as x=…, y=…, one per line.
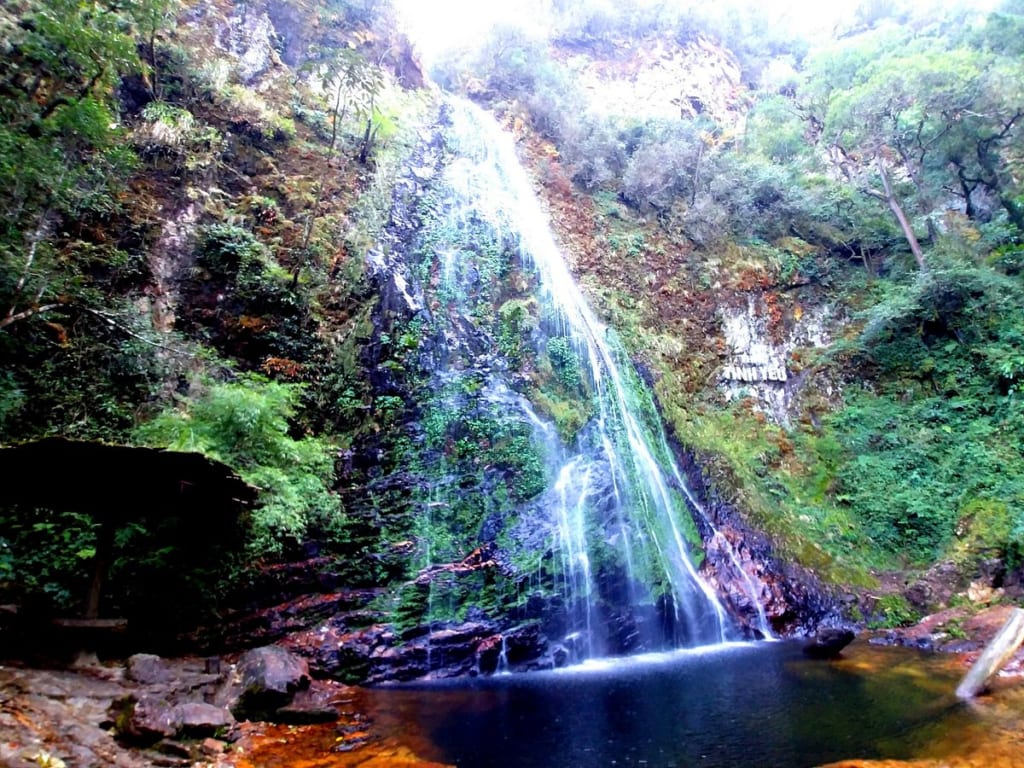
x=438, y=25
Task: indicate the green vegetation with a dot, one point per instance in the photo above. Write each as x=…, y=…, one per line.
x=245, y=425
x=166, y=225
x=182, y=248
x=876, y=170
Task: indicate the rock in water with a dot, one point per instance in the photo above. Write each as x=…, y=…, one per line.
x=270, y=677
x=828, y=643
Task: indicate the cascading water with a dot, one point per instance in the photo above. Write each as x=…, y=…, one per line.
x=551, y=450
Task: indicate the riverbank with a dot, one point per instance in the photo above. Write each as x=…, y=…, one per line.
x=71, y=717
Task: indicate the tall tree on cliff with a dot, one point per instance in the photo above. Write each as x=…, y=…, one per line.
x=912, y=120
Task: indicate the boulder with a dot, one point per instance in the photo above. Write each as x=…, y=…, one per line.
x=268, y=679
x=150, y=719
x=146, y=720
x=148, y=669
x=828, y=643
x=196, y=719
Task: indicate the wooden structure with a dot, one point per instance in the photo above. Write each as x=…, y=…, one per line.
x=116, y=485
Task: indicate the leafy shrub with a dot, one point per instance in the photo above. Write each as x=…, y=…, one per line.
x=245, y=424
x=565, y=362
x=892, y=611
x=935, y=439
x=226, y=250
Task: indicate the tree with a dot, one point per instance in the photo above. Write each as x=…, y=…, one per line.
x=193, y=501
x=245, y=425
x=61, y=150
x=925, y=116
x=352, y=84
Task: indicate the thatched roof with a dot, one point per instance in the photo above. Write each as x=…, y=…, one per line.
x=119, y=481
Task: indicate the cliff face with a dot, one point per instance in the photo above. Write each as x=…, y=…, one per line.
x=211, y=230
x=658, y=78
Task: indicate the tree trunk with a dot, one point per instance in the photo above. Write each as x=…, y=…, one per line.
x=994, y=657
x=901, y=217
x=100, y=564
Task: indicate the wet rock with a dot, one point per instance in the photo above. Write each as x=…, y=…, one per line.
x=623, y=632
x=488, y=654
x=560, y=656
x=268, y=679
x=828, y=643
x=376, y=654
x=195, y=719
x=313, y=705
x=147, y=669
x=793, y=599
x=525, y=644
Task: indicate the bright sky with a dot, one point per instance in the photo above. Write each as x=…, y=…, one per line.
x=439, y=24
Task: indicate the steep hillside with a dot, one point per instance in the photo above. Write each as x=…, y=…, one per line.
x=815, y=259
x=189, y=192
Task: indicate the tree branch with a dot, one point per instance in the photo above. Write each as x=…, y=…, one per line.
x=107, y=318
x=16, y=316
x=901, y=217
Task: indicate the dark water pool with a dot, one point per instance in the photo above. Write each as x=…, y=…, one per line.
x=752, y=705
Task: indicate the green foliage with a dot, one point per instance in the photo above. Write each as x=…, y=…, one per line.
x=62, y=157
x=892, y=611
x=934, y=436
x=226, y=250
x=565, y=361
x=516, y=318
x=776, y=130
x=245, y=424
x=46, y=555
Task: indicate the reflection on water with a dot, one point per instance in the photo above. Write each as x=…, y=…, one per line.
x=745, y=705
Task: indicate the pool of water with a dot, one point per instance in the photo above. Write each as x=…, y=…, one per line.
x=746, y=705
x=761, y=705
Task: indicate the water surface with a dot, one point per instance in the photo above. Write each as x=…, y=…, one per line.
x=745, y=705
x=761, y=705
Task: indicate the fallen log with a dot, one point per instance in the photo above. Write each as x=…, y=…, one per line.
x=995, y=656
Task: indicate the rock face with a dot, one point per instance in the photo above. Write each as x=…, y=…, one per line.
x=659, y=78
x=761, y=339
x=106, y=715
x=741, y=564
x=377, y=654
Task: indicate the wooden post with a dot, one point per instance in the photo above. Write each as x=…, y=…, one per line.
x=995, y=656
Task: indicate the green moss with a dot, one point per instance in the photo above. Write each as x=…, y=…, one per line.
x=516, y=318
x=568, y=414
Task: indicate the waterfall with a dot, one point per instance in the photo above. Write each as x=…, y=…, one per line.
x=521, y=367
